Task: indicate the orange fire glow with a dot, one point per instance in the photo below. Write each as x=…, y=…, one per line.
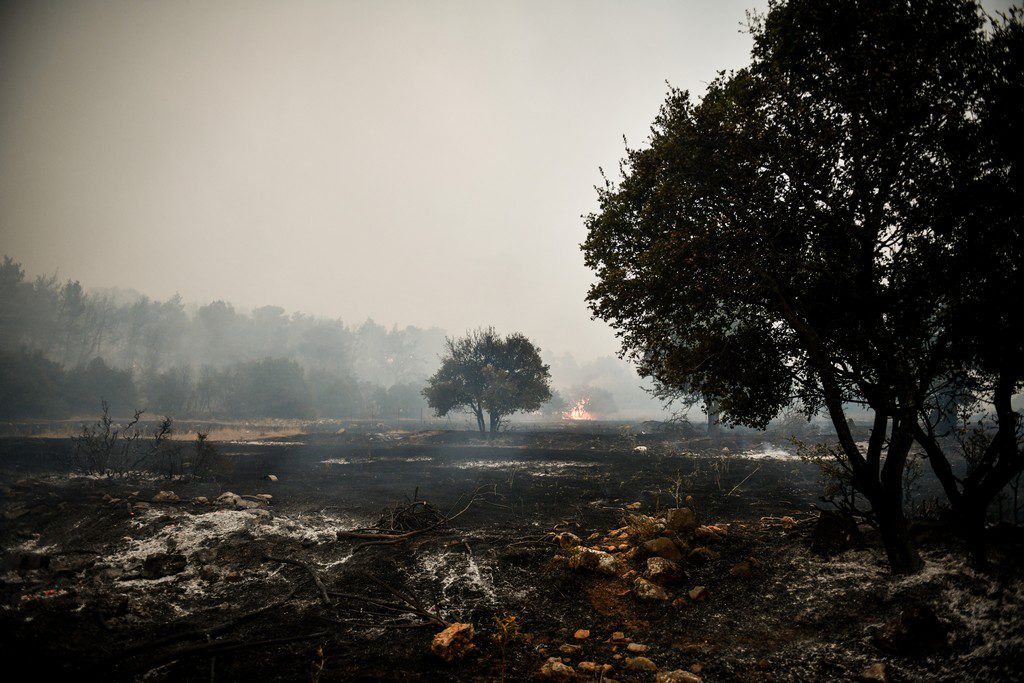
x=578, y=411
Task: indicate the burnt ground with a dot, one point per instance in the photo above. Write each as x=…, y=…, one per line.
x=100, y=581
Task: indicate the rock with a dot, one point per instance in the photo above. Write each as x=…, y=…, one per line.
x=244, y=504
x=555, y=670
x=264, y=496
x=15, y=512
x=917, y=631
x=639, y=449
x=637, y=647
x=877, y=673
x=581, y=634
x=201, y=500
x=833, y=533
x=742, y=570
x=702, y=555
x=593, y=560
x=261, y=513
x=271, y=477
x=454, y=642
x=166, y=497
x=594, y=668
x=680, y=602
x=141, y=505
x=228, y=499
x=208, y=572
x=71, y=564
x=663, y=547
x=677, y=676
x=640, y=664
x=160, y=565
x=618, y=637
x=664, y=572
x=698, y=594
x=568, y=540
x=708, y=534
x=568, y=649
x=680, y=520
x=31, y=561
x=645, y=590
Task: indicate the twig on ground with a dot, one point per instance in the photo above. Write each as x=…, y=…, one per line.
x=321, y=588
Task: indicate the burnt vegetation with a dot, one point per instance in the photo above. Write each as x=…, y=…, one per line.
x=823, y=253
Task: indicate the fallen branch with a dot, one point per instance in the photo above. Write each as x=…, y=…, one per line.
x=744, y=481
x=385, y=538
x=217, y=647
x=189, y=635
x=321, y=588
x=407, y=602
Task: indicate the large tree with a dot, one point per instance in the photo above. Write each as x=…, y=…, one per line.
x=489, y=375
x=838, y=223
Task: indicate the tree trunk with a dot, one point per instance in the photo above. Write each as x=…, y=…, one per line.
x=713, y=412
x=972, y=529
x=480, y=421
x=495, y=423
x=892, y=524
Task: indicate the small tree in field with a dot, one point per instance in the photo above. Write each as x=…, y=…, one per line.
x=840, y=222
x=490, y=376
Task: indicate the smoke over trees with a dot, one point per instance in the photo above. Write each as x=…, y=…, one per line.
x=62, y=349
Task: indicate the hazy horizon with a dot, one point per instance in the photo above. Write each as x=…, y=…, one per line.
x=414, y=163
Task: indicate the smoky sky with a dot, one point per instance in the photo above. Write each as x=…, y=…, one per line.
x=419, y=162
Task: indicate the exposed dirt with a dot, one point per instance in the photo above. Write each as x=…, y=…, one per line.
x=95, y=583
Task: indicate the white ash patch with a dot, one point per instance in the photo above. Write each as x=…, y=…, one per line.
x=462, y=580
x=990, y=611
x=535, y=468
x=336, y=461
x=188, y=533
x=259, y=442
x=767, y=452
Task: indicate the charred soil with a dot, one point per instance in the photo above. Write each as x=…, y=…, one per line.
x=366, y=547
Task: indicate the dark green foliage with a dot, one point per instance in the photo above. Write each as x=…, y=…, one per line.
x=273, y=387
x=837, y=223
x=30, y=386
x=84, y=385
x=485, y=373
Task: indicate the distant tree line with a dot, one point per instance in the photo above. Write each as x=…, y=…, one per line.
x=62, y=349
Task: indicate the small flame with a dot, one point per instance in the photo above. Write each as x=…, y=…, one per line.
x=579, y=411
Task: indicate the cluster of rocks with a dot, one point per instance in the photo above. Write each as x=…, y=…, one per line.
x=649, y=554
x=226, y=500
x=629, y=656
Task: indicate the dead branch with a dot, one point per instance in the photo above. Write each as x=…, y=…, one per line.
x=206, y=631
x=321, y=588
x=216, y=647
x=407, y=602
x=383, y=538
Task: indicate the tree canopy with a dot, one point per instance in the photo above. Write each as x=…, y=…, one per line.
x=484, y=372
x=839, y=222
